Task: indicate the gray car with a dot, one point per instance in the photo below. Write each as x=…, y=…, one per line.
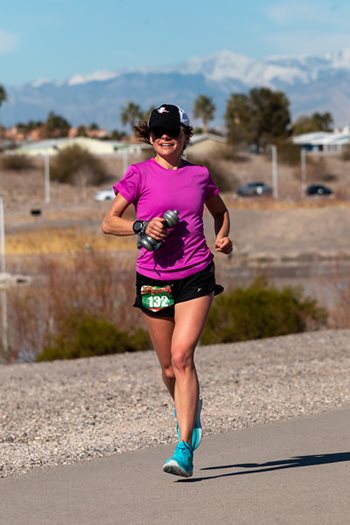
x=253, y=189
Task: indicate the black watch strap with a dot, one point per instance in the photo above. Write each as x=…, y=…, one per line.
x=137, y=227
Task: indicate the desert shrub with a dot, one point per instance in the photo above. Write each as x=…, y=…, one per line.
x=224, y=182
x=83, y=335
x=235, y=154
x=16, y=162
x=76, y=165
x=287, y=152
x=260, y=311
x=98, y=283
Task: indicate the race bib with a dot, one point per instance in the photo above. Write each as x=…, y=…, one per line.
x=156, y=298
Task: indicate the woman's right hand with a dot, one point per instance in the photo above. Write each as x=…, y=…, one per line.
x=156, y=229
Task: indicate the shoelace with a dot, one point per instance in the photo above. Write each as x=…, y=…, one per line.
x=184, y=448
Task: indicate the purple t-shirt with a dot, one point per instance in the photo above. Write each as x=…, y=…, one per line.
x=153, y=190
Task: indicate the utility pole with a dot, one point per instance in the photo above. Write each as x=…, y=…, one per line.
x=125, y=154
x=4, y=325
x=274, y=171
x=47, y=177
x=4, y=338
x=303, y=171
x=2, y=235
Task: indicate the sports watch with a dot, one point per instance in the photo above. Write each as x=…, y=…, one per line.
x=137, y=227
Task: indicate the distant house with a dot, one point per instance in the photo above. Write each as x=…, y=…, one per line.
x=323, y=141
x=52, y=146
x=199, y=146
x=97, y=147
x=206, y=144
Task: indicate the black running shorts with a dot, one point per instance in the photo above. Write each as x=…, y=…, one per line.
x=157, y=298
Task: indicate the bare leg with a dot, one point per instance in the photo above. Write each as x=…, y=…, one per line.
x=161, y=330
x=190, y=317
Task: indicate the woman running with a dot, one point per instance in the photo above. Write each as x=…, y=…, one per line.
x=175, y=277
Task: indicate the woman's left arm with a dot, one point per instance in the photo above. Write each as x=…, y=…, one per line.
x=218, y=210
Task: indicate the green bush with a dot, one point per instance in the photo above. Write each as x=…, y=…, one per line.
x=74, y=165
x=16, y=162
x=84, y=335
x=260, y=311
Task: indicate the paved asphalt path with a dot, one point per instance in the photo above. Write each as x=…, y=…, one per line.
x=288, y=473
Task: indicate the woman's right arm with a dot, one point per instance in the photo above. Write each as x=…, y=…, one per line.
x=113, y=222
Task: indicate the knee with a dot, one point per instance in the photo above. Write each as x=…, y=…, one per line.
x=182, y=360
x=168, y=372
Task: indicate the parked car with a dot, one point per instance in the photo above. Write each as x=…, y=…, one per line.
x=252, y=189
x=104, y=195
x=318, y=189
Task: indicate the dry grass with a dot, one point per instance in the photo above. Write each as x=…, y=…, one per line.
x=97, y=283
x=339, y=287
x=67, y=240
x=51, y=234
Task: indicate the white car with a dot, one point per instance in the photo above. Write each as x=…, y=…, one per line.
x=105, y=195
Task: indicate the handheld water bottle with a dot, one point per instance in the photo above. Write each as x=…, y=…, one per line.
x=170, y=219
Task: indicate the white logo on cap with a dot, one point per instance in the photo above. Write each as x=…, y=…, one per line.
x=162, y=110
x=183, y=117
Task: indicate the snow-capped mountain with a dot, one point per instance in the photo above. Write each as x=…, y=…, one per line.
x=288, y=69
x=312, y=83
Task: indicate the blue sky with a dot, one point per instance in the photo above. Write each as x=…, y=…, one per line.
x=55, y=39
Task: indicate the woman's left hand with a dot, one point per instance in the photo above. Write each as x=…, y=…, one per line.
x=223, y=245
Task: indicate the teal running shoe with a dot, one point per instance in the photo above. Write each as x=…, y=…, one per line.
x=197, y=432
x=181, y=462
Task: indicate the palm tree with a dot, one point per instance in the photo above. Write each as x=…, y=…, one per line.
x=3, y=94
x=130, y=114
x=204, y=108
x=3, y=97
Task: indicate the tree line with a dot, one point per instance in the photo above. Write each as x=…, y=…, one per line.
x=256, y=118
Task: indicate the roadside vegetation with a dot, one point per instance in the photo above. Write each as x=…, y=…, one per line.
x=81, y=334
x=83, y=308
x=261, y=310
x=16, y=162
x=81, y=305
x=75, y=165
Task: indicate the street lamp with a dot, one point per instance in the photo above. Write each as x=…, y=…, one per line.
x=2, y=235
x=125, y=157
x=47, y=178
x=274, y=171
x=4, y=340
x=303, y=170
x=6, y=280
x=4, y=324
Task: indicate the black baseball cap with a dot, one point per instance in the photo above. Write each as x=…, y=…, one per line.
x=168, y=116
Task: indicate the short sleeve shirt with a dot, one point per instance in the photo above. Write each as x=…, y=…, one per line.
x=153, y=190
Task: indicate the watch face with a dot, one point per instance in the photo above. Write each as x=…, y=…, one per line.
x=137, y=226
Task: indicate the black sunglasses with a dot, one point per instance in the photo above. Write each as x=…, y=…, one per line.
x=159, y=132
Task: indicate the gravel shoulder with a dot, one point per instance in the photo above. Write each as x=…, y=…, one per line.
x=68, y=411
